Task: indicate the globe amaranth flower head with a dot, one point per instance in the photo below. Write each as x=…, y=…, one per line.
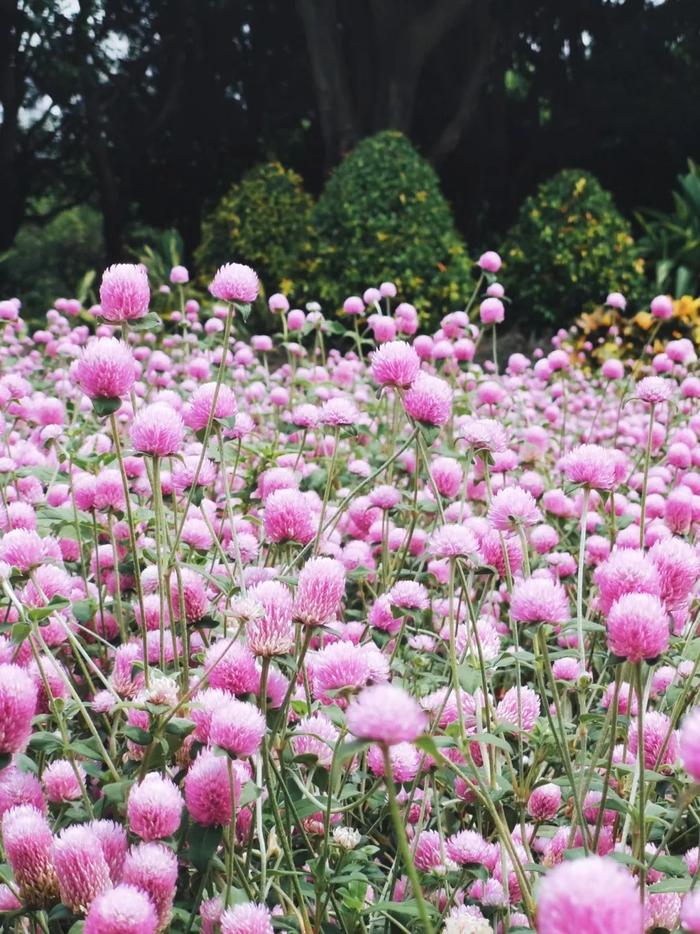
x=386, y=713
x=483, y=434
x=540, y=600
x=395, y=363
x=157, y=430
x=513, y=507
x=590, y=465
x=638, y=627
x=235, y=282
x=320, y=591
x=124, y=909
x=105, y=369
x=154, y=807
x=248, y=918
x=124, y=293
x=429, y=400
x=564, y=904
x=201, y=406
x=654, y=389
x=690, y=744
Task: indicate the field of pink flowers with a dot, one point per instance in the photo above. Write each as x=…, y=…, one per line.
x=340, y=630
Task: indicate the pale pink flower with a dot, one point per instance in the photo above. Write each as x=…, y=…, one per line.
x=152, y=867
x=124, y=293
x=678, y=567
x=657, y=726
x=540, y=600
x=429, y=400
x=625, y=571
x=238, y=727
x=157, y=430
x=247, y=918
x=271, y=631
x=320, y=591
x=154, y=807
x=690, y=744
x=590, y=465
x=106, y=369
x=519, y=708
x=544, y=802
x=231, y=667
x=395, y=363
x=655, y=389
x=386, y=714
x=81, y=868
x=315, y=736
x=208, y=788
x=339, y=412
x=18, y=702
x=201, y=406
x=60, y=781
x=28, y=845
x=288, y=517
x=513, y=507
x=235, y=282
x=453, y=541
x=468, y=848
x=112, y=839
x=124, y=909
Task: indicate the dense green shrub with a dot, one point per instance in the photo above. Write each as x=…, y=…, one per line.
x=671, y=239
x=264, y=220
x=382, y=216
x=51, y=261
x=569, y=247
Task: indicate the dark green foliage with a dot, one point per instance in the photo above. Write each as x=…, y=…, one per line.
x=569, y=247
x=382, y=216
x=264, y=221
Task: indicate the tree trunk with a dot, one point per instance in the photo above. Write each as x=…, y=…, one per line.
x=12, y=185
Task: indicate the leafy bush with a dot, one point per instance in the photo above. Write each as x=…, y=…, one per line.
x=569, y=247
x=382, y=216
x=54, y=260
x=264, y=220
x=671, y=240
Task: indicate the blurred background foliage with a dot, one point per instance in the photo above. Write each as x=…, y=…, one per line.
x=257, y=129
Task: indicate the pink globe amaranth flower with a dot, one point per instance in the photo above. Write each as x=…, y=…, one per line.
x=341, y=667
x=288, y=518
x=657, y=726
x=405, y=762
x=339, y=412
x=616, y=300
x=467, y=847
x=613, y=369
x=272, y=631
x=677, y=564
x=492, y=311
x=18, y=701
x=124, y=909
x=179, y=275
x=315, y=736
x=540, y=600
x=157, y=430
x=638, y=627
x=590, y=465
x=662, y=306
x=625, y=571
x=453, y=541
x=28, y=845
x=690, y=744
x=483, y=434
x=248, y=918
x=208, y=789
x=385, y=713
x=124, y=292
x=353, y=305
x=564, y=904
x=447, y=476
x=409, y=595
x=513, y=507
x=154, y=808
x=320, y=591
x=81, y=868
x=654, y=390
x=235, y=282
x=152, y=867
x=544, y=802
x=202, y=402
x=112, y=840
x=489, y=261
x=105, y=369
x=189, y=587
x=690, y=912
x=429, y=400
x=60, y=781
x=520, y=708
x=395, y=364
x=231, y=667
x=18, y=788
x=210, y=911
x=237, y=727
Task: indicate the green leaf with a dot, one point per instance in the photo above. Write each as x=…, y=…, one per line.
x=20, y=631
x=138, y=736
x=243, y=309
x=53, y=606
x=203, y=843
x=84, y=610
x=671, y=885
x=179, y=726
x=116, y=792
x=149, y=322
x=104, y=405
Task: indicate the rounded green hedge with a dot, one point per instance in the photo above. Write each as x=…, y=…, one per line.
x=569, y=247
x=381, y=217
x=265, y=221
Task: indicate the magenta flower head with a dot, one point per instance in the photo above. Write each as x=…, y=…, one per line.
x=208, y=790
x=429, y=400
x=105, y=369
x=616, y=300
x=231, y=667
x=512, y=508
x=152, y=867
x=18, y=700
x=157, y=430
x=28, y=844
x=395, y=364
x=662, y=306
x=154, y=807
x=385, y=713
x=353, y=305
x=492, y=311
x=590, y=465
x=625, y=571
x=540, y=600
x=690, y=744
x=112, y=839
x=564, y=904
x=81, y=868
x=690, y=912
x=544, y=802
x=638, y=627
x=124, y=292
x=654, y=389
x=247, y=918
x=269, y=627
x=237, y=727
x=320, y=591
x=235, y=282
x=202, y=402
x=490, y=261
x=121, y=910
x=288, y=517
